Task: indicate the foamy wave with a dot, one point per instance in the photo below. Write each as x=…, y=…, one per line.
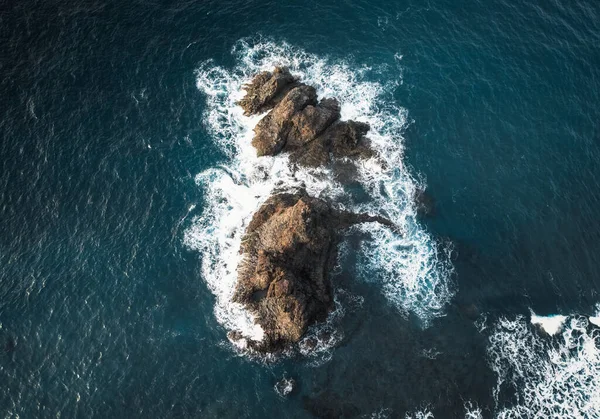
x=413, y=273
x=550, y=324
x=550, y=377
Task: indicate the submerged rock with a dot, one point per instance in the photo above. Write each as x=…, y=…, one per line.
x=425, y=203
x=285, y=386
x=298, y=123
x=288, y=250
x=10, y=345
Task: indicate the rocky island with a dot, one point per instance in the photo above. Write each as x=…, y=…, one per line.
x=310, y=130
x=290, y=244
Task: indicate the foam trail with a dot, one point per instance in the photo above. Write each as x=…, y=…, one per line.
x=550, y=377
x=414, y=273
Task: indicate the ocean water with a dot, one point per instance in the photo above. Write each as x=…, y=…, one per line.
x=127, y=179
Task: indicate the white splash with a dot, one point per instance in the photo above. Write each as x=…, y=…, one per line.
x=414, y=274
x=550, y=377
x=595, y=320
x=550, y=324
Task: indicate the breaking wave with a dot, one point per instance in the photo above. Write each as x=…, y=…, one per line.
x=413, y=270
x=544, y=375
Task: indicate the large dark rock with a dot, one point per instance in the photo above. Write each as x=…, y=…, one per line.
x=271, y=132
x=310, y=130
x=342, y=139
x=266, y=90
x=289, y=248
x=311, y=121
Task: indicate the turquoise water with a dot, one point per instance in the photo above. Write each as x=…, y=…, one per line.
x=109, y=151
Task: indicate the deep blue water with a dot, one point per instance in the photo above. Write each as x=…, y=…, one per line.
x=103, y=310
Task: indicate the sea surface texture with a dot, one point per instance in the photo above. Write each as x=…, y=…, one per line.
x=127, y=178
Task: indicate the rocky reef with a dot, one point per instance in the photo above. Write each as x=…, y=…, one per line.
x=310, y=130
x=290, y=244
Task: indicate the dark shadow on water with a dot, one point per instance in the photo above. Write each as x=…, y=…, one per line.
x=388, y=361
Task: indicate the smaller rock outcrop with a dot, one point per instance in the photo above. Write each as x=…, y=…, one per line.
x=343, y=139
x=285, y=386
x=289, y=249
x=298, y=123
x=266, y=89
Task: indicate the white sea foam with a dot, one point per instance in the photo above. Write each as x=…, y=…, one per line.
x=413, y=273
x=430, y=353
x=472, y=411
x=284, y=386
x=595, y=320
x=420, y=414
x=550, y=324
x=481, y=323
x=550, y=376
